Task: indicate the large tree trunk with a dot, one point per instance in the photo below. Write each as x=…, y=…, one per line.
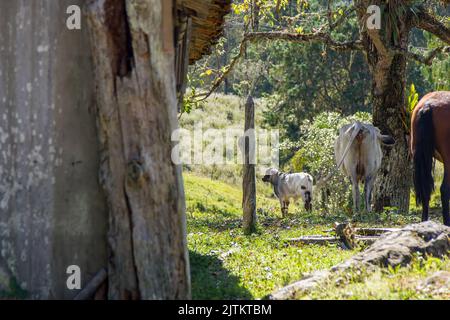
x=393, y=185
x=388, y=68
x=52, y=208
x=133, y=53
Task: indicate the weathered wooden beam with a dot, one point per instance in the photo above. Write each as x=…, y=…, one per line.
x=374, y=231
x=367, y=239
x=208, y=17
x=328, y=240
x=369, y=231
x=182, y=61
x=314, y=240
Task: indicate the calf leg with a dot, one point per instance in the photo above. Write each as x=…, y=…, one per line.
x=445, y=197
x=287, y=207
x=282, y=207
x=368, y=187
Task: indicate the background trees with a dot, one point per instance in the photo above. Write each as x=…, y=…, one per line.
x=327, y=59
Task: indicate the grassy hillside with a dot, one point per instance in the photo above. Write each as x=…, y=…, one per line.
x=226, y=264
x=221, y=112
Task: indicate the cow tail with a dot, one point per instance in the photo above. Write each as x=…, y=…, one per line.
x=423, y=156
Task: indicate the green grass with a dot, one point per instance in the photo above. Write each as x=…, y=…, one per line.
x=221, y=111
x=393, y=283
x=226, y=264
x=435, y=201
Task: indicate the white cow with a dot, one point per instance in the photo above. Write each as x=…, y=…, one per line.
x=288, y=186
x=358, y=153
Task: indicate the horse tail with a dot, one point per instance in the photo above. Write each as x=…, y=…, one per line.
x=423, y=156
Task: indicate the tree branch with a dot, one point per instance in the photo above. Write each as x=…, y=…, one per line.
x=318, y=36
x=342, y=18
x=308, y=37
x=427, y=59
x=221, y=78
x=382, y=48
x=428, y=22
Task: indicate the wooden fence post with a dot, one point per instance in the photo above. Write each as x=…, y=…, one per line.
x=249, y=182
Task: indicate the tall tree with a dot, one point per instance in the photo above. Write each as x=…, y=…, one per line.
x=386, y=50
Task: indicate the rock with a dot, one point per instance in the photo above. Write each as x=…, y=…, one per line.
x=397, y=248
x=391, y=249
x=440, y=278
x=308, y=283
x=438, y=282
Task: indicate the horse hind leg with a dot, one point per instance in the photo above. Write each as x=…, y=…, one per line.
x=425, y=209
x=445, y=196
x=287, y=207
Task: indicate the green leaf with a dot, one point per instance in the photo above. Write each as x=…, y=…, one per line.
x=413, y=98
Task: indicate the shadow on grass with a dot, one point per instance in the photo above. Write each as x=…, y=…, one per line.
x=307, y=219
x=210, y=280
x=265, y=220
x=215, y=225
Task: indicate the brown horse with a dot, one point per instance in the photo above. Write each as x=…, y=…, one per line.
x=430, y=137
